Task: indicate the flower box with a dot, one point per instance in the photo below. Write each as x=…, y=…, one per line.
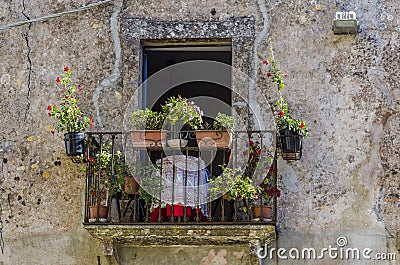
x=213, y=138
x=148, y=138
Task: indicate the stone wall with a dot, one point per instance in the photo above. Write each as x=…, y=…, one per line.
x=346, y=86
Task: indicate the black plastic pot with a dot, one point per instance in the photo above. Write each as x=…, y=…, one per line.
x=290, y=144
x=74, y=143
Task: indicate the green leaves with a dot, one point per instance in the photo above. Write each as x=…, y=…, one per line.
x=147, y=119
x=69, y=116
x=180, y=109
x=284, y=119
x=224, y=122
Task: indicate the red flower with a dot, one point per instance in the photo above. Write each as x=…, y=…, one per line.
x=269, y=74
x=285, y=75
x=52, y=132
x=91, y=119
x=271, y=169
x=281, y=113
x=259, y=152
x=80, y=90
x=265, y=62
x=91, y=126
x=90, y=160
x=49, y=114
x=250, y=143
x=58, y=80
x=66, y=69
x=278, y=193
x=49, y=107
x=301, y=125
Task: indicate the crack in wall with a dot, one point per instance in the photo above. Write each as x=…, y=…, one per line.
x=29, y=62
x=107, y=82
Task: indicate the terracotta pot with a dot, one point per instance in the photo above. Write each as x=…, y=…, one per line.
x=103, y=211
x=256, y=211
x=148, y=138
x=266, y=211
x=131, y=185
x=213, y=138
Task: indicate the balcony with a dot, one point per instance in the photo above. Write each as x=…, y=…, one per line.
x=183, y=194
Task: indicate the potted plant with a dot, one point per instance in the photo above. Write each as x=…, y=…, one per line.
x=220, y=135
x=234, y=184
x=147, y=125
x=150, y=187
x=290, y=131
x=110, y=175
x=265, y=192
x=178, y=112
x=70, y=117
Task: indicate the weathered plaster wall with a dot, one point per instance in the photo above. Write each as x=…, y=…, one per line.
x=347, y=87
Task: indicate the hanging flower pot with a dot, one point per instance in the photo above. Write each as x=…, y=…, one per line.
x=70, y=117
x=290, y=144
x=74, y=143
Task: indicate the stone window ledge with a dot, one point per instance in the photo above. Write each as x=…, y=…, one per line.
x=169, y=235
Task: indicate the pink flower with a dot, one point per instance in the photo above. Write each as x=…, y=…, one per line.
x=285, y=75
x=256, y=197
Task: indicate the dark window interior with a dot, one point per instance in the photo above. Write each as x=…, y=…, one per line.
x=158, y=87
x=157, y=91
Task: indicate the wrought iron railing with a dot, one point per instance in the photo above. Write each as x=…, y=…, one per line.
x=178, y=184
